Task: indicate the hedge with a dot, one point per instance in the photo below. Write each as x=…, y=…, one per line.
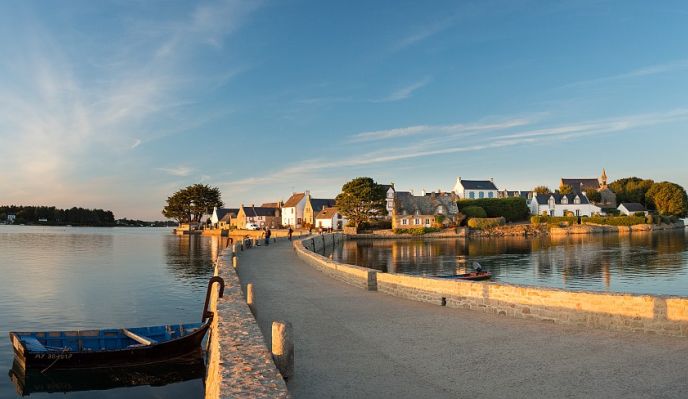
x=485, y=223
x=474, y=212
x=418, y=231
x=513, y=209
x=615, y=220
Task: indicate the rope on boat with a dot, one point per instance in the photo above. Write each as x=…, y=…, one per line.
x=45, y=370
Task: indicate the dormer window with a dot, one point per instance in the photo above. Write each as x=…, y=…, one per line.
x=551, y=202
x=440, y=210
x=576, y=200
x=564, y=200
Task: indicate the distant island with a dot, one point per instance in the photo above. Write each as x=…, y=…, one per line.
x=52, y=216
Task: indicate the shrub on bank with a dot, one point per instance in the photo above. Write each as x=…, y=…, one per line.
x=474, y=212
x=554, y=220
x=417, y=231
x=376, y=225
x=615, y=220
x=485, y=223
x=513, y=209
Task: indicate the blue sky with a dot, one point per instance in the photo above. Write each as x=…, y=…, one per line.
x=117, y=104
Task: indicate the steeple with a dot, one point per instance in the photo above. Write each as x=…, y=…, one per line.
x=603, y=178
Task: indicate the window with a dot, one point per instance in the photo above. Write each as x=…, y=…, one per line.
x=404, y=222
x=471, y=195
x=481, y=195
x=564, y=200
x=417, y=221
x=490, y=195
x=440, y=210
x=427, y=221
x=576, y=200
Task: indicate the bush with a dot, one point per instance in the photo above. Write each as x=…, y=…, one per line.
x=616, y=220
x=474, y=212
x=554, y=220
x=417, y=231
x=485, y=223
x=376, y=225
x=639, y=214
x=513, y=209
x=611, y=211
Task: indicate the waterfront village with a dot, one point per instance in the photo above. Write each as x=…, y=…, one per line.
x=480, y=206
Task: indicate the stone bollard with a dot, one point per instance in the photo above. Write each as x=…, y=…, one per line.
x=235, y=262
x=249, y=298
x=283, y=348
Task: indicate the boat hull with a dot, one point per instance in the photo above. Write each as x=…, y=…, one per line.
x=133, y=355
x=469, y=276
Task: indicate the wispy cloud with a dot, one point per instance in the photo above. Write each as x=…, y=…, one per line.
x=180, y=170
x=458, y=128
x=669, y=67
x=424, y=148
x=136, y=143
x=422, y=33
x=404, y=92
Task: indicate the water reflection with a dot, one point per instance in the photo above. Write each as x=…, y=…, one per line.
x=646, y=262
x=29, y=382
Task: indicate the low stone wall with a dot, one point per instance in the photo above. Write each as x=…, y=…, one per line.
x=239, y=363
x=664, y=315
x=351, y=274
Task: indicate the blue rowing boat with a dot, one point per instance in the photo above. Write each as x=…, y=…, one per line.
x=113, y=347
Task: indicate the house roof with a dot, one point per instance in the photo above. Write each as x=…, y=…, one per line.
x=478, y=184
x=633, y=206
x=543, y=199
x=252, y=211
x=424, y=204
x=227, y=217
x=386, y=187
x=580, y=185
x=317, y=204
x=221, y=212
x=523, y=194
x=327, y=213
x=271, y=205
x=294, y=200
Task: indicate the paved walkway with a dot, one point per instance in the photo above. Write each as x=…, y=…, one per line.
x=351, y=343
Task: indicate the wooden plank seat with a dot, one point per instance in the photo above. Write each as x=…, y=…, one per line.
x=138, y=338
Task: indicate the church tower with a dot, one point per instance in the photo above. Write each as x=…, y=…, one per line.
x=603, y=178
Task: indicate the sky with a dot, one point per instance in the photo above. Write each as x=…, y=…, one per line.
x=118, y=104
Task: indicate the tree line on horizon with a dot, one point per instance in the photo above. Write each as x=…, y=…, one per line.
x=50, y=215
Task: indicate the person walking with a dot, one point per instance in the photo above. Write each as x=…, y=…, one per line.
x=268, y=233
x=290, y=232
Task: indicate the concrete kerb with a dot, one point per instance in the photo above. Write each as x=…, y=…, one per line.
x=662, y=315
x=239, y=363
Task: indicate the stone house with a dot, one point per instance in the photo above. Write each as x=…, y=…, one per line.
x=472, y=189
x=313, y=207
x=292, y=211
x=581, y=185
x=558, y=205
x=262, y=216
x=412, y=211
x=330, y=218
x=221, y=218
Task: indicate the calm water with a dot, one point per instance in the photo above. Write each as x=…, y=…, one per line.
x=655, y=263
x=65, y=278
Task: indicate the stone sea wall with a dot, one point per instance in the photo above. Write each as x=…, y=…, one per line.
x=664, y=315
x=240, y=364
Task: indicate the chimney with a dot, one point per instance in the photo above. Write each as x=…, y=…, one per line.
x=308, y=193
x=492, y=179
x=422, y=192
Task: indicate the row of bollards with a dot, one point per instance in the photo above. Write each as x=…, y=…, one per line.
x=282, y=332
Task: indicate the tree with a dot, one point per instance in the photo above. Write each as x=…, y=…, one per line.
x=361, y=199
x=668, y=199
x=542, y=190
x=565, y=189
x=192, y=202
x=593, y=195
x=631, y=189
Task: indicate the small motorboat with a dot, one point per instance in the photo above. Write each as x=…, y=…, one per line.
x=474, y=276
x=79, y=349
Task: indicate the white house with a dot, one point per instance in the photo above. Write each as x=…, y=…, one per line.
x=219, y=213
x=330, y=218
x=11, y=218
x=292, y=210
x=558, y=204
x=630, y=208
x=474, y=189
x=389, y=198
